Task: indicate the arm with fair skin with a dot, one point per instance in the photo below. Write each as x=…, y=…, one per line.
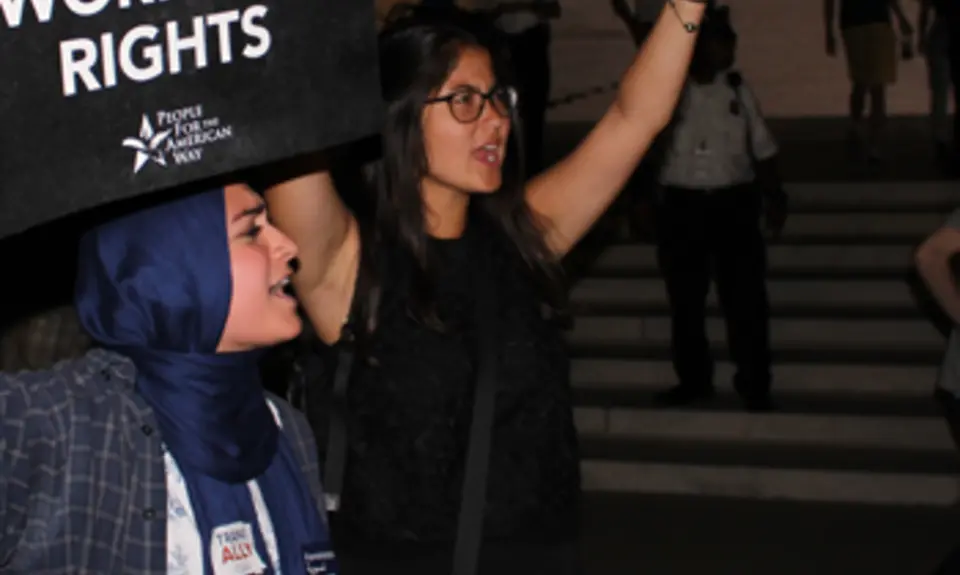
x=933, y=263
x=573, y=194
x=310, y=212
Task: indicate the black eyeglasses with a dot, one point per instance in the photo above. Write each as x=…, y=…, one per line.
x=467, y=104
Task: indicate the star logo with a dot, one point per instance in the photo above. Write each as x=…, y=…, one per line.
x=147, y=145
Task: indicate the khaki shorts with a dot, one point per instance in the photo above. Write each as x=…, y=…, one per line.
x=871, y=54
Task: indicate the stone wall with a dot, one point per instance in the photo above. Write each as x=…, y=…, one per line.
x=781, y=54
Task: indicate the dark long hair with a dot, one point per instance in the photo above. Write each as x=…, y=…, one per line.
x=419, y=48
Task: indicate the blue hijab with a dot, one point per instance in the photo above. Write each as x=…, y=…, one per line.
x=156, y=287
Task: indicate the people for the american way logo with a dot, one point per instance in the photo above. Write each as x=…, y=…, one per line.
x=177, y=136
x=148, y=145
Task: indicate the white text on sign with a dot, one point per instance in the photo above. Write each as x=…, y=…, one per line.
x=148, y=51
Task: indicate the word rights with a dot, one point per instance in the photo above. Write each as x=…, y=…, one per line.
x=144, y=52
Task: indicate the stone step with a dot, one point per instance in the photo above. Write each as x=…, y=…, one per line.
x=804, y=457
x=639, y=295
x=861, y=226
x=849, y=261
x=773, y=455
x=807, y=334
x=787, y=401
x=660, y=351
x=875, y=196
x=912, y=381
x=802, y=485
x=766, y=429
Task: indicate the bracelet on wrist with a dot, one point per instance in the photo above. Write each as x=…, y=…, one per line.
x=690, y=27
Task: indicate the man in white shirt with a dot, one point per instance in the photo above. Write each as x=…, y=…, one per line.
x=718, y=171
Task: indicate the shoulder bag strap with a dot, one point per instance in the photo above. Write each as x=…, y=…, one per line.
x=335, y=464
x=336, y=454
x=470, y=522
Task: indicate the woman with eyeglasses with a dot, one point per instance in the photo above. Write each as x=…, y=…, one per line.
x=446, y=213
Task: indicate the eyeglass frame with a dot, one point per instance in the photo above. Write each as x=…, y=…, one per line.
x=486, y=97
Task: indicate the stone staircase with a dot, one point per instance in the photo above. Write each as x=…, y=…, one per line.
x=855, y=360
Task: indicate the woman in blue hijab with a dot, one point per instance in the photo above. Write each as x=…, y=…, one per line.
x=159, y=452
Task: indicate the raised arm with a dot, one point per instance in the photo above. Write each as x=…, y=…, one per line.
x=571, y=196
x=933, y=262
x=308, y=209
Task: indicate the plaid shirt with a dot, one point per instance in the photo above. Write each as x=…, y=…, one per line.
x=82, y=483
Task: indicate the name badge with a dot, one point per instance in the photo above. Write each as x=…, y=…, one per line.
x=234, y=552
x=319, y=559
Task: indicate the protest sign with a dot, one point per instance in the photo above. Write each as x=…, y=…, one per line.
x=102, y=100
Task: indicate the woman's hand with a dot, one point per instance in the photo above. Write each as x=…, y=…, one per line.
x=574, y=193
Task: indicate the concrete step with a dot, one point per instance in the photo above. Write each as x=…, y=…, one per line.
x=802, y=457
x=875, y=196
x=787, y=401
x=865, y=380
x=893, y=460
x=839, y=260
x=767, y=456
x=829, y=297
x=807, y=334
x=803, y=485
x=660, y=351
x=766, y=429
x=861, y=226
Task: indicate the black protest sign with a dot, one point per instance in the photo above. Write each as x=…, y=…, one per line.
x=102, y=100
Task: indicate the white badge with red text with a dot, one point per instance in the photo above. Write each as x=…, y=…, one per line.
x=233, y=550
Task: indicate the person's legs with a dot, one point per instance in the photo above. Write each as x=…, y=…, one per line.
x=955, y=80
x=878, y=120
x=858, y=101
x=684, y=261
x=872, y=65
x=883, y=72
x=741, y=264
x=857, y=54
x=938, y=75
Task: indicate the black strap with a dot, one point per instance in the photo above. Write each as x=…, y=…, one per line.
x=470, y=523
x=336, y=455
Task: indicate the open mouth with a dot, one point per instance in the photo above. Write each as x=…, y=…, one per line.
x=489, y=154
x=282, y=288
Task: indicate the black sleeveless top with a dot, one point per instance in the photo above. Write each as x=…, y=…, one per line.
x=410, y=407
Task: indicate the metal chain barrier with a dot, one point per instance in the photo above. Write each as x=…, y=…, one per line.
x=574, y=97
